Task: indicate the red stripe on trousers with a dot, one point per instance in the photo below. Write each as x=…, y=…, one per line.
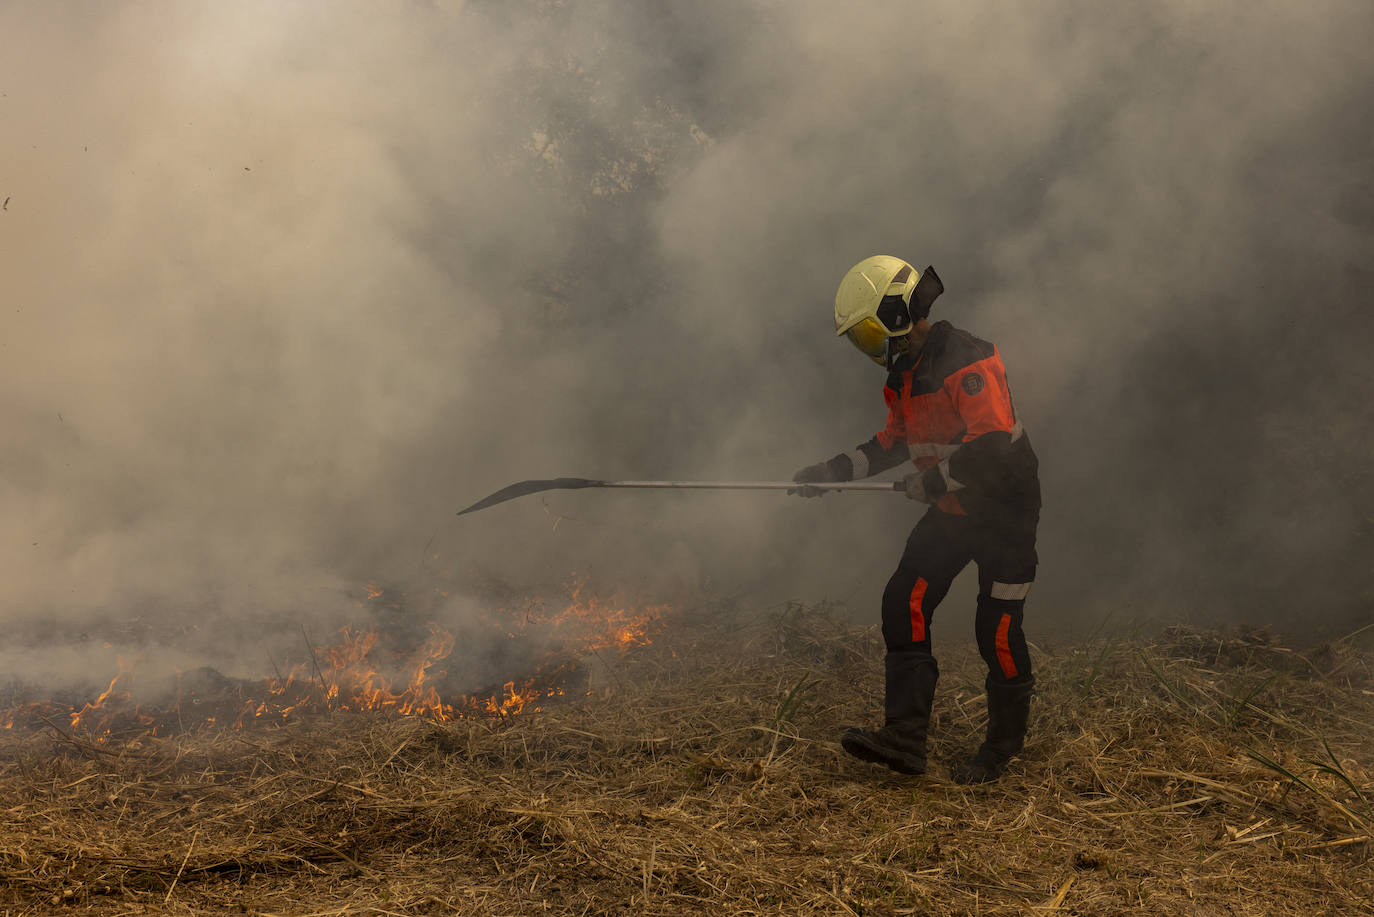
x=1004, y=648
x=918, y=617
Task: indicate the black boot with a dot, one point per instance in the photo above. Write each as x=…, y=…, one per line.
x=901, y=743
x=1008, y=710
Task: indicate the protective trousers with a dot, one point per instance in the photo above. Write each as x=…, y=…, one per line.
x=1001, y=541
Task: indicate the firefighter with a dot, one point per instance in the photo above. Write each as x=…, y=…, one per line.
x=950, y=412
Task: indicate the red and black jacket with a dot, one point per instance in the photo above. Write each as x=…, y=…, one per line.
x=950, y=412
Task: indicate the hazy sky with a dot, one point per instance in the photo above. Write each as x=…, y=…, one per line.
x=286, y=284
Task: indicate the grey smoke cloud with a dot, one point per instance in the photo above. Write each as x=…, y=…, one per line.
x=288, y=285
x=1152, y=210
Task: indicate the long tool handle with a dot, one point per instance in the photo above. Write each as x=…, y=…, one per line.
x=524, y=488
x=758, y=485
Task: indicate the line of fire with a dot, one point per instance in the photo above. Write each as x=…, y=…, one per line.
x=393, y=665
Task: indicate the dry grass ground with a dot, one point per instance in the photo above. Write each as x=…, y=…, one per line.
x=1193, y=774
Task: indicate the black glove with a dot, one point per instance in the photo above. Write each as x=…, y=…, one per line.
x=818, y=473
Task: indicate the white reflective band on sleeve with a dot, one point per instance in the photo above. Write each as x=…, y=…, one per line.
x=1017, y=431
x=931, y=450
x=951, y=485
x=860, y=463
x=1010, y=591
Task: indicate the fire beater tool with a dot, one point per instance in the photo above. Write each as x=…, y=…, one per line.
x=524, y=488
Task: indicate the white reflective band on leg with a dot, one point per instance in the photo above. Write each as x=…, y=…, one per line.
x=1010, y=591
x=860, y=463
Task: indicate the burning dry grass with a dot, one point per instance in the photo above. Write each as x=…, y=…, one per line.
x=396, y=663
x=1198, y=774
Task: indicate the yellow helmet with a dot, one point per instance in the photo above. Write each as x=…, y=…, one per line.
x=878, y=299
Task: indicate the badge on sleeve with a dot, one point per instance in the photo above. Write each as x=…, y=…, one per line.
x=972, y=383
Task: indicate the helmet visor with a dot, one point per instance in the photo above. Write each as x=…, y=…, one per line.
x=870, y=337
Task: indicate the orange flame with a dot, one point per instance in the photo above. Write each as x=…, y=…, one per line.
x=357, y=672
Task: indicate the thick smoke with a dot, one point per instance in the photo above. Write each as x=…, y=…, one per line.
x=286, y=285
